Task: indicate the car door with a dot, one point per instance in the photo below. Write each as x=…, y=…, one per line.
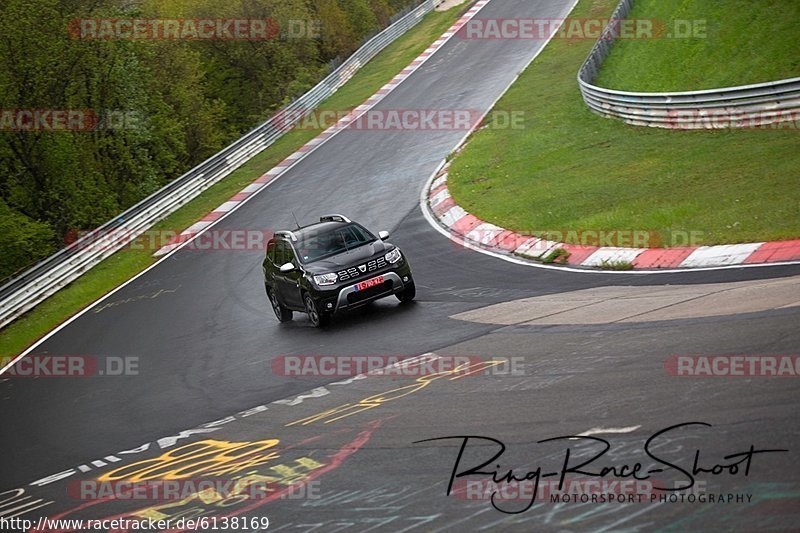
x=287, y=283
x=269, y=265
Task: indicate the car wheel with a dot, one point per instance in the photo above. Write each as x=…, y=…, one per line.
x=317, y=318
x=407, y=294
x=281, y=313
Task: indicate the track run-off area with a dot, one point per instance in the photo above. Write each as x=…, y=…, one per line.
x=536, y=354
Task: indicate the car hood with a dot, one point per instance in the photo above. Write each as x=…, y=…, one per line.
x=350, y=258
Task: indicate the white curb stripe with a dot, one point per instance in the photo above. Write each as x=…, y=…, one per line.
x=484, y=233
x=197, y=226
x=438, y=182
x=610, y=254
x=725, y=254
x=536, y=247
x=453, y=215
x=227, y=206
x=253, y=187
x=166, y=249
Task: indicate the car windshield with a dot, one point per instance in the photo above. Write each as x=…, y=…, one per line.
x=315, y=244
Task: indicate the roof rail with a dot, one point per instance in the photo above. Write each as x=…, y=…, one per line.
x=334, y=218
x=287, y=233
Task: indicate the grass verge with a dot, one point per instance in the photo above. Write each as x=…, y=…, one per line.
x=125, y=264
x=567, y=169
x=737, y=42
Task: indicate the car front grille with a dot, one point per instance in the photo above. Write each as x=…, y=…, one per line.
x=360, y=270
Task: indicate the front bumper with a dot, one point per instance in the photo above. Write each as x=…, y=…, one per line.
x=346, y=297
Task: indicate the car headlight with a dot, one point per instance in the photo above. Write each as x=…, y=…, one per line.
x=325, y=279
x=394, y=256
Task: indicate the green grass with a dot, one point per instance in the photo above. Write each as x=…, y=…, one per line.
x=570, y=169
x=615, y=265
x=745, y=41
x=558, y=256
x=125, y=264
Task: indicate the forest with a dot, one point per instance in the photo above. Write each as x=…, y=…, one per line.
x=90, y=123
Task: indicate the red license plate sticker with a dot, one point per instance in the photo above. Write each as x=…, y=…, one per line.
x=369, y=283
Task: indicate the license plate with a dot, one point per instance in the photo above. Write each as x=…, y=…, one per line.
x=369, y=283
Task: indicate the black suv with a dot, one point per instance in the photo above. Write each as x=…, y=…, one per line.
x=332, y=266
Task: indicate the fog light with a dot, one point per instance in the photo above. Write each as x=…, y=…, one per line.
x=405, y=279
x=329, y=306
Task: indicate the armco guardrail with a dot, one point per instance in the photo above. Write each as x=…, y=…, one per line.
x=40, y=281
x=757, y=105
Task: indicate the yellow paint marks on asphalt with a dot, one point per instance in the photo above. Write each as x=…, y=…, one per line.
x=377, y=400
x=207, y=457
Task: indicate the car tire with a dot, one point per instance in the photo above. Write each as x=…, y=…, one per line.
x=317, y=318
x=281, y=313
x=407, y=294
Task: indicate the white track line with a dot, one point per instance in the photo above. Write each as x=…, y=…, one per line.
x=603, y=431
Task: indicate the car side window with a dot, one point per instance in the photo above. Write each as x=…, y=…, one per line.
x=271, y=251
x=279, y=253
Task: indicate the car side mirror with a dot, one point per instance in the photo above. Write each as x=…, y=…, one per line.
x=286, y=267
x=383, y=235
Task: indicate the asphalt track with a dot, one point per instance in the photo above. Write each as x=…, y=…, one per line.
x=205, y=337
